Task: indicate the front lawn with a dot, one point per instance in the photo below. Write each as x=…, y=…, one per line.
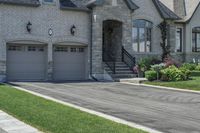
x=49, y=116
x=193, y=84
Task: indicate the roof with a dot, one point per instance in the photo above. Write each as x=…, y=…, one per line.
x=190, y=8
x=72, y=5
x=131, y=5
x=165, y=12
x=34, y=3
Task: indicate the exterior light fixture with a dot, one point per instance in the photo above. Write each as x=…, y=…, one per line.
x=50, y=32
x=73, y=30
x=29, y=27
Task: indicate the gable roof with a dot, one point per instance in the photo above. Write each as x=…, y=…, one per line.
x=33, y=3
x=131, y=5
x=165, y=12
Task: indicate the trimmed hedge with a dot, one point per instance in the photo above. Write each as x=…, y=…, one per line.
x=195, y=73
x=151, y=75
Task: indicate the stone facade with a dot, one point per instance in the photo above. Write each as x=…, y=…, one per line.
x=13, y=21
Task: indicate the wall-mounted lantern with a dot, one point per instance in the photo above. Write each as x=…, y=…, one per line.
x=73, y=30
x=29, y=27
x=50, y=32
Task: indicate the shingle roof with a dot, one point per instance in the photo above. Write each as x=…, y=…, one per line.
x=131, y=5
x=22, y=2
x=70, y=5
x=165, y=12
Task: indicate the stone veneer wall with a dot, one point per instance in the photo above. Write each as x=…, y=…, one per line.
x=13, y=20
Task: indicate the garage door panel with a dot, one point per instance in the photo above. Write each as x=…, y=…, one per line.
x=25, y=64
x=69, y=65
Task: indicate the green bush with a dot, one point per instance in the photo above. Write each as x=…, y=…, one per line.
x=151, y=75
x=195, y=73
x=189, y=66
x=197, y=68
x=172, y=73
x=145, y=63
x=186, y=73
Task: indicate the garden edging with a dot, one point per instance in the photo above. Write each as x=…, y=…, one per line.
x=163, y=87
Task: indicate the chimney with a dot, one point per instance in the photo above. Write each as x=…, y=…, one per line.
x=179, y=8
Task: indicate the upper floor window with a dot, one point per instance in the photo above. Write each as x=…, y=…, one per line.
x=179, y=39
x=141, y=35
x=196, y=39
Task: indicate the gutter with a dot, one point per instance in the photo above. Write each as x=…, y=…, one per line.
x=75, y=9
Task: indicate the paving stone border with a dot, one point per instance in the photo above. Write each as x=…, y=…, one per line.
x=9, y=124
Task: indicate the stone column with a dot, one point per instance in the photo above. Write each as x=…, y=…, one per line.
x=50, y=61
x=97, y=65
x=3, y=50
x=171, y=36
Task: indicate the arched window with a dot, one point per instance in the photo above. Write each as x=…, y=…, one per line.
x=196, y=39
x=141, y=35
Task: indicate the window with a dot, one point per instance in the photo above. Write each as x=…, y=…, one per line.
x=73, y=49
x=141, y=35
x=61, y=49
x=14, y=48
x=81, y=50
x=179, y=39
x=31, y=48
x=196, y=39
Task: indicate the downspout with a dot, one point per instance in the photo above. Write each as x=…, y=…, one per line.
x=91, y=45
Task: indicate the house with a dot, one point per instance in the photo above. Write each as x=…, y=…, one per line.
x=45, y=40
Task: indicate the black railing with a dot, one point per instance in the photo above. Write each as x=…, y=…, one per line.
x=128, y=59
x=110, y=62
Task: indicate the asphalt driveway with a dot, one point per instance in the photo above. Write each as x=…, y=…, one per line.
x=165, y=110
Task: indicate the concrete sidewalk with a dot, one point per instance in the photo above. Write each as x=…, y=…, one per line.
x=9, y=124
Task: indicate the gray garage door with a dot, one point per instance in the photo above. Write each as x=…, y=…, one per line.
x=69, y=63
x=26, y=62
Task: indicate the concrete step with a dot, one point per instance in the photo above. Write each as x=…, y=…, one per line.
x=118, y=76
x=131, y=80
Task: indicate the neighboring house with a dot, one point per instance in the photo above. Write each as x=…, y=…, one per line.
x=44, y=40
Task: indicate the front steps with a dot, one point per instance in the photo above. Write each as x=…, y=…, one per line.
x=122, y=72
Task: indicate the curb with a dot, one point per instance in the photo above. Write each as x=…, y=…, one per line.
x=163, y=87
x=108, y=117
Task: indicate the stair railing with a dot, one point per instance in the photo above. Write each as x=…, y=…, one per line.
x=128, y=59
x=110, y=62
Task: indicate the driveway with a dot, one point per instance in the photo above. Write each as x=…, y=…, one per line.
x=165, y=110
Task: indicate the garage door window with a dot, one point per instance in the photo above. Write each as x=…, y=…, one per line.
x=61, y=49
x=31, y=48
x=14, y=48
x=73, y=49
x=81, y=50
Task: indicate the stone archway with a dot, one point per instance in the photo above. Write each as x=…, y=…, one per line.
x=112, y=40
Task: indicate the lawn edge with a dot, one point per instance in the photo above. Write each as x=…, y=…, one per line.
x=108, y=117
x=164, y=87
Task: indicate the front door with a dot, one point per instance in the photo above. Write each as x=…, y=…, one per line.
x=112, y=40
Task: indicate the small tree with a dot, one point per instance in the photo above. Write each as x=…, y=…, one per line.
x=165, y=48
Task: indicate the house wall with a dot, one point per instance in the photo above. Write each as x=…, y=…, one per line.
x=13, y=20
x=194, y=22
x=148, y=12
x=120, y=13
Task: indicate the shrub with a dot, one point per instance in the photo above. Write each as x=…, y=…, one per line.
x=189, y=66
x=186, y=73
x=197, y=68
x=145, y=63
x=195, y=73
x=172, y=73
x=151, y=75
x=171, y=62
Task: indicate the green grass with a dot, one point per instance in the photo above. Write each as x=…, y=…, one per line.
x=193, y=84
x=49, y=116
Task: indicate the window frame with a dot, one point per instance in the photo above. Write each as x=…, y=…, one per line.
x=195, y=33
x=181, y=39
x=147, y=27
